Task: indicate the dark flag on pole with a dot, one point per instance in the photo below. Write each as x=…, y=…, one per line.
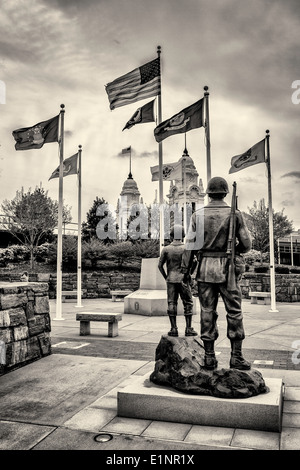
x=69, y=167
x=143, y=82
x=187, y=119
x=143, y=114
x=36, y=136
x=252, y=156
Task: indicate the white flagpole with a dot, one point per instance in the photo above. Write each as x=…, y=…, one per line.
x=60, y=212
x=207, y=133
x=160, y=161
x=292, y=253
x=185, y=153
x=79, y=303
x=271, y=234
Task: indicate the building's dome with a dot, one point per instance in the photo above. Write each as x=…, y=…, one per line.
x=130, y=185
x=189, y=162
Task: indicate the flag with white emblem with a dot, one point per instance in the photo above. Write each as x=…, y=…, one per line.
x=36, y=136
x=170, y=171
x=69, y=167
x=187, y=119
x=143, y=114
x=252, y=156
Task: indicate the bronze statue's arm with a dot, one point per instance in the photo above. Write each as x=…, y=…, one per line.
x=161, y=265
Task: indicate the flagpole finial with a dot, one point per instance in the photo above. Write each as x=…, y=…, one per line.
x=62, y=107
x=267, y=131
x=158, y=50
x=80, y=146
x=205, y=88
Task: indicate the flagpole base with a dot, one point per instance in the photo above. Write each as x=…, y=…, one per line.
x=78, y=306
x=273, y=310
x=58, y=319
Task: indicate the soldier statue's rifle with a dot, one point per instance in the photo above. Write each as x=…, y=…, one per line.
x=231, y=278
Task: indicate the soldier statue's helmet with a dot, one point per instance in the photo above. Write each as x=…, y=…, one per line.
x=217, y=185
x=177, y=232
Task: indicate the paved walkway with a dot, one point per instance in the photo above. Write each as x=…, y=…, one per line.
x=68, y=399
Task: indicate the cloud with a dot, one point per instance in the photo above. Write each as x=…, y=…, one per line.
x=146, y=154
x=288, y=203
x=149, y=154
x=293, y=174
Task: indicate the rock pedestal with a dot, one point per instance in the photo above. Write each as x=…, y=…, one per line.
x=180, y=365
x=180, y=390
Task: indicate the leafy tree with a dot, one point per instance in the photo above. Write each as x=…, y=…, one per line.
x=95, y=215
x=258, y=224
x=32, y=216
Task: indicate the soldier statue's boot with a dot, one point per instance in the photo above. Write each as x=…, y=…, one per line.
x=189, y=330
x=210, y=361
x=237, y=360
x=174, y=330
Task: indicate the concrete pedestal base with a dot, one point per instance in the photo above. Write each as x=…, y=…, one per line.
x=150, y=303
x=146, y=400
x=151, y=298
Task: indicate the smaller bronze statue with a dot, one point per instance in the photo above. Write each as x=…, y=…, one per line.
x=177, y=283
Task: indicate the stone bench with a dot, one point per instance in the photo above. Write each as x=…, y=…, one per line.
x=265, y=297
x=86, y=317
x=68, y=293
x=119, y=294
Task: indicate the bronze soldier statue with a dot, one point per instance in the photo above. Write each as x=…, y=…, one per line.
x=210, y=228
x=171, y=255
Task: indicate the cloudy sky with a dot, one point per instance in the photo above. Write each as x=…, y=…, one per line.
x=66, y=51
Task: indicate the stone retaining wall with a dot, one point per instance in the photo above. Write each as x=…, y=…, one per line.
x=99, y=283
x=94, y=284
x=24, y=324
x=287, y=286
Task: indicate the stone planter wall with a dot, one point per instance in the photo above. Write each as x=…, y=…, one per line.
x=94, y=284
x=24, y=324
x=99, y=283
x=287, y=286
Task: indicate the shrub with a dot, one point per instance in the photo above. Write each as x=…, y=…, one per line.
x=94, y=250
x=21, y=252
x=261, y=269
x=255, y=256
x=121, y=251
x=146, y=248
x=295, y=270
x=6, y=255
x=69, y=252
x=282, y=269
x=42, y=252
x=252, y=256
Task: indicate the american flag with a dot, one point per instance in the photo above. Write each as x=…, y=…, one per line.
x=139, y=84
